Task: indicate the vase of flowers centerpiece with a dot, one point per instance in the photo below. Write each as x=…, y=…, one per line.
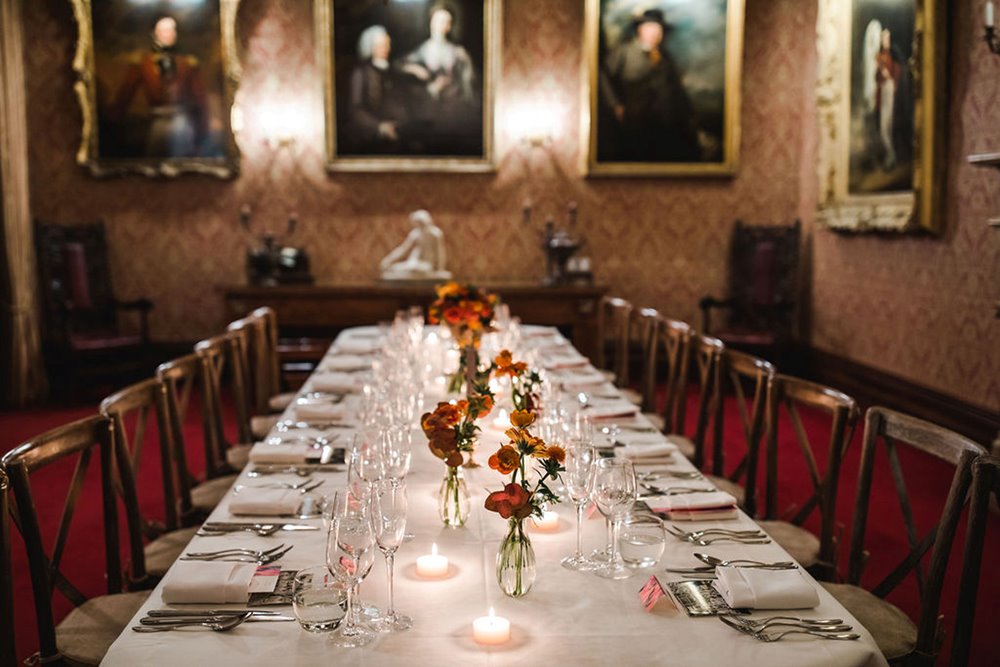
x=451, y=432
x=524, y=383
x=521, y=498
x=467, y=311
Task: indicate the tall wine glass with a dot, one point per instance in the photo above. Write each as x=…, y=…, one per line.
x=614, y=493
x=397, y=446
x=388, y=513
x=350, y=553
x=579, y=483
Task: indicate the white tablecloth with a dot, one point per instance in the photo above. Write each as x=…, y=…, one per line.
x=568, y=618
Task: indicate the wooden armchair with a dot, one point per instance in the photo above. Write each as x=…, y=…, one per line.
x=7, y=650
x=83, y=333
x=763, y=285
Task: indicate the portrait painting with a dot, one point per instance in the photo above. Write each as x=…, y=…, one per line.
x=664, y=83
x=156, y=83
x=409, y=85
x=881, y=101
x=881, y=96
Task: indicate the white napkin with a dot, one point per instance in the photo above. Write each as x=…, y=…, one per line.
x=566, y=359
x=579, y=377
x=611, y=408
x=337, y=383
x=650, y=451
x=752, y=588
x=691, y=501
x=320, y=411
x=194, y=582
x=266, y=502
x=642, y=439
x=293, y=452
x=358, y=345
x=345, y=362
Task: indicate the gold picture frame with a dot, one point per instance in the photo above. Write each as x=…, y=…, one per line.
x=881, y=100
x=156, y=108
x=702, y=137
x=420, y=134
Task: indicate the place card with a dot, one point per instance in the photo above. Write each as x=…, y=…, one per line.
x=699, y=598
x=281, y=593
x=265, y=579
x=652, y=593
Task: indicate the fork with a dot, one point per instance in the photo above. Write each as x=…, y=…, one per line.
x=259, y=558
x=214, y=624
x=695, y=534
x=278, y=485
x=223, y=552
x=674, y=490
x=773, y=637
x=821, y=624
x=264, y=530
x=704, y=542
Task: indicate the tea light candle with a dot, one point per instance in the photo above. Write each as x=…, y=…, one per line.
x=432, y=566
x=491, y=630
x=502, y=421
x=548, y=523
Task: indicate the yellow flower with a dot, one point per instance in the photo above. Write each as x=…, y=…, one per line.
x=522, y=418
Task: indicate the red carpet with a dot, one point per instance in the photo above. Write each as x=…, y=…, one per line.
x=927, y=481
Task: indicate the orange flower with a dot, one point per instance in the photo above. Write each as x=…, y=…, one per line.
x=556, y=453
x=506, y=366
x=514, y=501
x=454, y=315
x=448, y=290
x=534, y=447
x=522, y=418
x=506, y=460
x=454, y=459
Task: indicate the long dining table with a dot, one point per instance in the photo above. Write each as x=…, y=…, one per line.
x=568, y=617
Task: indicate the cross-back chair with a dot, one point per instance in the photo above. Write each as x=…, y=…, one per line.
x=614, y=318
x=642, y=330
x=985, y=485
x=706, y=352
x=670, y=349
x=794, y=395
x=224, y=366
x=745, y=378
x=256, y=372
x=896, y=635
x=182, y=378
x=132, y=406
x=8, y=652
x=277, y=400
x=84, y=635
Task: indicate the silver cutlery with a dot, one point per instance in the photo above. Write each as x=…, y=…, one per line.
x=222, y=552
x=218, y=624
x=278, y=485
x=674, y=490
x=712, y=561
x=262, y=531
x=773, y=637
x=169, y=613
x=708, y=541
x=259, y=558
x=178, y=619
x=824, y=624
x=714, y=532
x=236, y=526
x=305, y=470
x=288, y=425
x=824, y=631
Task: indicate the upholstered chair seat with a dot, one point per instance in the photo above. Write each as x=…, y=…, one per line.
x=801, y=544
x=164, y=550
x=893, y=631
x=281, y=401
x=261, y=425
x=88, y=631
x=207, y=495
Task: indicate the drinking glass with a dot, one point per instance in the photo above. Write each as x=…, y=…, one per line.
x=319, y=599
x=350, y=553
x=388, y=513
x=641, y=540
x=614, y=493
x=578, y=481
x=397, y=452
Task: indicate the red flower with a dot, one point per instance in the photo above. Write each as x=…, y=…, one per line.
x=513, y=501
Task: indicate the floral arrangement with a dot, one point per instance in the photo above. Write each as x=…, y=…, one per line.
x=465, y=309
x=524, y=383
x=520, y=499
x=451, y=428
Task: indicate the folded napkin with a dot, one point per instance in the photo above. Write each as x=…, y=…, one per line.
x=691, y=501
x=647, y=451
x=266, y=502
x=611, y=408
x=643, y=439
x=752, y=588
x=337, y=383
x=358, y=345
x=195, y=582
x=320, y=411
x=291, y=453
x=345, y=362
x=579, y=377
x=569, y=359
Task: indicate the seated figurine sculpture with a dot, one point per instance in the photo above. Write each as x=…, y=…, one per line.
x=421, y=256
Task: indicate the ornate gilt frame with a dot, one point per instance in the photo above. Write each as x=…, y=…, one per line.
x=85, y=87
x=733, y=81
x=492, y=37
x=917, y=210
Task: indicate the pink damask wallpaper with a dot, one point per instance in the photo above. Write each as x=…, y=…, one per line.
x=660, y=242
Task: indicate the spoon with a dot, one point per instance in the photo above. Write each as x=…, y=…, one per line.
x=715, y=562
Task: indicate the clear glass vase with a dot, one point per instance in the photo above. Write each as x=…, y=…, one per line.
x=453, y=499
x=515, y=561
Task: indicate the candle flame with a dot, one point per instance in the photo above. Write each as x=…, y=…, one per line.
x=434, y=549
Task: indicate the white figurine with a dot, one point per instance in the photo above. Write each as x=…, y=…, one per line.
x=421, y=256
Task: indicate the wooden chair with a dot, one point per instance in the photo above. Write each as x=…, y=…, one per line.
x=817, y=554
x=896, y=635
x=277, y=400
x=746, y=378
x=84, y=337
x=256, y=362
x=670, y=340
x=613, y=320
x=707, y=352
x=223, y=358
x=643, y=329
x=132, y=405
x=985, y=485
x=83, y=637
x=763, y=286
x=8, y=652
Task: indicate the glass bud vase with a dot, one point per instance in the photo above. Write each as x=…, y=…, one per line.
x=453, y=500
x=515, y=561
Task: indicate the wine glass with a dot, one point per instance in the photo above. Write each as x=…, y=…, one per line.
x=350, y=553
x=397, y=452
x=578, y=481
x=614, y=493
x=388, y=513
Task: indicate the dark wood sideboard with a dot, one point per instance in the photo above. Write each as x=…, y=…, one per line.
x=323, y=310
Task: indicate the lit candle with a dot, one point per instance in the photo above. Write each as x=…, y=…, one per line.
x=989, y=14
x=491, y=630
x=502, y=421
x=432, y=566
x=548, y=523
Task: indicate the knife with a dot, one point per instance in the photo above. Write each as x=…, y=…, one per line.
x=223, y=527
x=203, y=618
x=168, y=613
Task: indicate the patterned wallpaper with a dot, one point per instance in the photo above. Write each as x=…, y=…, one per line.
x=661, y=242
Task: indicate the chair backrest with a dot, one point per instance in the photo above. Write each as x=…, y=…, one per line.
x=270, y=318
x=181, y=377
x=763, y=276
x=223, y=358
x=129, y=411
x=8, y=652
x=794, y=393
x=893, y=429
x=985, y=485
x=707, y=352
x=79, y=439
x=257, y=369
x=613, y=323
x=672, y=339
x=746, y=378
x=645, y=322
